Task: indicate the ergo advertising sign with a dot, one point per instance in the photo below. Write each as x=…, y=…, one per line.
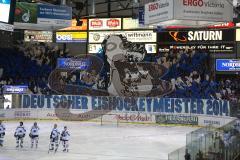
x=158, y=11
x=203, y=10
x=105, y=24
x=193, y=10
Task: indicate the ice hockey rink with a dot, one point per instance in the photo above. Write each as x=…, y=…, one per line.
x=91, y=141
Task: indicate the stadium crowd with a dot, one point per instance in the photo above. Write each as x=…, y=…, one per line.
x=29, y=64
x=189, y=71
x=192, y=76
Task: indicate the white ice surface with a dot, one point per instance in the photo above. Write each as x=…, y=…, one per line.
x=91, y=141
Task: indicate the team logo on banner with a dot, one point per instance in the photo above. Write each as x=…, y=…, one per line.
x=96, y=37
x=122, y=73
x=175, y=36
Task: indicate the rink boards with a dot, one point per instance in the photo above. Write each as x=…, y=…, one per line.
x=113, y=117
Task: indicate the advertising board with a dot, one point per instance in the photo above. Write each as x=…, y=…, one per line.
x=15, y=89
x=238, y=35
x=222, y=25
x=71, y=37
x=5, y=8
x=75, y=27
x=38, y=36
x=196, y=36
x=159, y=11
x=71, y=63
x=188, y=12
x=177, y=119
x=203, y=10
x=227, y=65
x=54, y=15
x=97, y=48
x=26, y=12
x=223, y=48
x=6, y=27
x=214, y=121
x=94, y=48
x=134, y=117
x=129, y=23
x=105, y=24
x=151, y=48
x=118, y=117
x=145, y=36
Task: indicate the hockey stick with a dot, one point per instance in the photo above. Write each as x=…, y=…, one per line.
x=49, y=146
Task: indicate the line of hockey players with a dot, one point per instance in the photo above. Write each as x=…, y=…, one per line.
x=20, y=133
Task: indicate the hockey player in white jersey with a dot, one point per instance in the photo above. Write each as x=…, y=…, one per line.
x=34, y=135
x=65, y=137
x=2, y=133
x=54, y=138
x=19, y=135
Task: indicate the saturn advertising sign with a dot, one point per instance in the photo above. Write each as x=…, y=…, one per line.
x=196, y=36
